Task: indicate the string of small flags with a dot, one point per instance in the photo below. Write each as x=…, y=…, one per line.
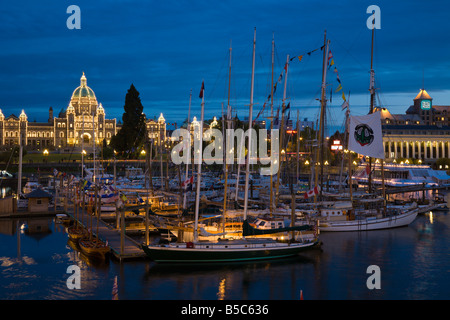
x=339, y=87
x=282, y=74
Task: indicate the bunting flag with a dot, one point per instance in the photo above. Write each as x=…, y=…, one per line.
x=344, y=105
x=202, y=90
x=300, y=58
x=339, y=88
x=365, y=135
x=260, y=112
x=285, y=108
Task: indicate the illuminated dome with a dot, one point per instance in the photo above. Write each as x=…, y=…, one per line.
x=83, y=91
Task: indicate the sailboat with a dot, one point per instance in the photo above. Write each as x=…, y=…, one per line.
x=76, y=231
x=245, y=249
x=371, y=213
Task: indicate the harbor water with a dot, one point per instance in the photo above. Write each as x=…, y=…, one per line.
x=413, y=261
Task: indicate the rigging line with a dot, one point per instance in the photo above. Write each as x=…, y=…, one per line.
x=349, y=50
x=210, y=92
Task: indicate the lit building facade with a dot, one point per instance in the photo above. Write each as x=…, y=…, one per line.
x=422, y=133
x=82, y=123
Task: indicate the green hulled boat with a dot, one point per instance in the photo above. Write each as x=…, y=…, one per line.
x=230, y=250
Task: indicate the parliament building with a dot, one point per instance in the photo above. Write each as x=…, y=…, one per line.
x=423, y=133
x=81, y=124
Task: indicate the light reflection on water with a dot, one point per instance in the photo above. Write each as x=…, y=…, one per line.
x=414, y=263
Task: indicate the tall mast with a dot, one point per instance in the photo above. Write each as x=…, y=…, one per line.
x=250, y=120
x=323, y=103
x=271, y=125
x=372, y=100
x=225, y=155
x=188, y=150
x=199, y=168
x=93, y=141
x=281, y=131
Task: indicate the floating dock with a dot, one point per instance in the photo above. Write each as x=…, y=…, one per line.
x=130, y=250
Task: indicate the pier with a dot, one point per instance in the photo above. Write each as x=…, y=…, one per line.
x=122, y=246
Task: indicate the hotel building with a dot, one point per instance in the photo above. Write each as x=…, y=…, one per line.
x=423, y=133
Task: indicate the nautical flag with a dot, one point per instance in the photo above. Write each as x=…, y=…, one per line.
x=365, y=135
x=343, y=96
x=344, y=105
x=312, y=192
x=187, y=182
x=339, y=88
x=86, y=184
x=202, y=90
x=300, y=58
x=285, y=108
x=364, y=173
x=123, y=197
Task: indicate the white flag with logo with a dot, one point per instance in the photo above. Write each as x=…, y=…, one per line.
x=365, y=135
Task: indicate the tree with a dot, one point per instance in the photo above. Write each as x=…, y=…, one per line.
x=128, y=141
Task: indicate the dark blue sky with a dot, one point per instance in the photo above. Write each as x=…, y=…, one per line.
x=166, y=48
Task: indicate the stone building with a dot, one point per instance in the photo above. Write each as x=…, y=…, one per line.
x=81, y=124
x=423, y=132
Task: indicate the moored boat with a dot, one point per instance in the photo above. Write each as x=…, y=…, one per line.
x=93, y=247
x=226, y=250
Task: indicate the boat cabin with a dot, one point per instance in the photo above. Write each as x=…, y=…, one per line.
x=333, y=214
x=269, y=223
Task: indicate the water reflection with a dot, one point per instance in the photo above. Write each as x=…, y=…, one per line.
x=414, y=260
x=277, y=279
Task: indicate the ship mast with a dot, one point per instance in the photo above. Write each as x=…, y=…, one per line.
x=225, y=155
x=372, y=99
x=250, y=121
x=271, y=127
x=323, y=103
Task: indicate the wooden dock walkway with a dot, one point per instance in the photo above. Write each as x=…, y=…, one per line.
x=131, y=249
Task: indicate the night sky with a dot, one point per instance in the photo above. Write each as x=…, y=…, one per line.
x=166, y=48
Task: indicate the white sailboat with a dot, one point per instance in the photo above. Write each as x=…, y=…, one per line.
x=366, y=214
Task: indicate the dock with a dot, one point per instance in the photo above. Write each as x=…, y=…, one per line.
x=131, y=248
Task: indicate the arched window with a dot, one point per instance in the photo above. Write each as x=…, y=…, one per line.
x=61, y=134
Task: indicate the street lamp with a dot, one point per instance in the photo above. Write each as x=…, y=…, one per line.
x=45, y=155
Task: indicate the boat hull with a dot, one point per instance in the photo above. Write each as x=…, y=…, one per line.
x=369, y=224
x=76, y=233
x=225, y=252
x=93, y=248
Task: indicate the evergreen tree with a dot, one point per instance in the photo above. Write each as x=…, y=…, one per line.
x=130, y=138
